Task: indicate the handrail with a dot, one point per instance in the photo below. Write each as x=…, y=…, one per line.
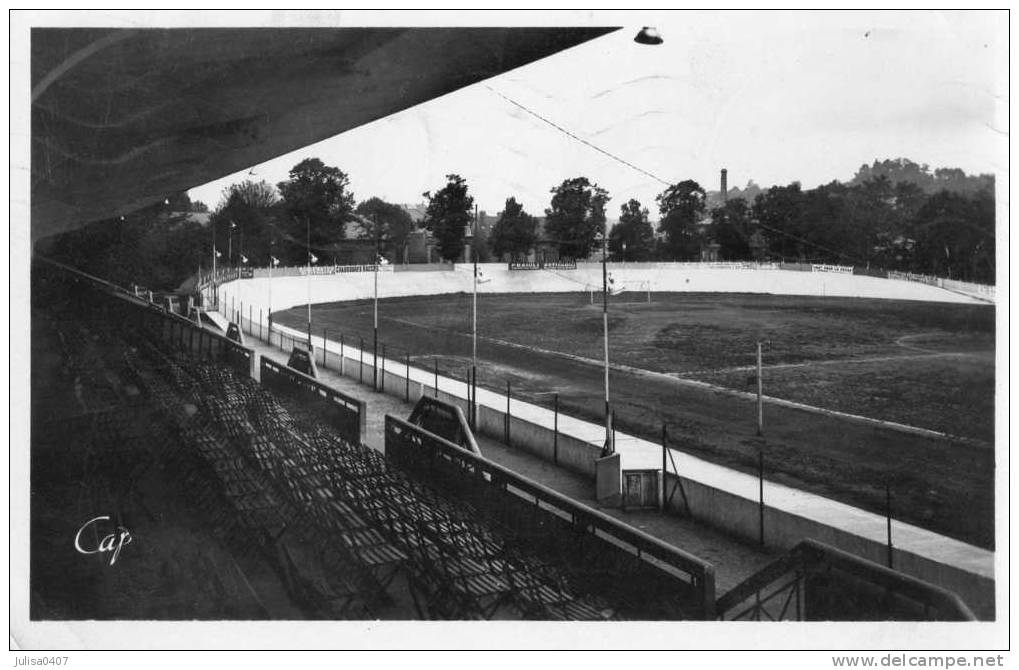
x=428, y=407
x=701, y=572
x=810, y=554
x=352, y=430
x=97, y=280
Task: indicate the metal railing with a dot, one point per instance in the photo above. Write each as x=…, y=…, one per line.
x=343, y=412
x=678, y=584
x=816, y=582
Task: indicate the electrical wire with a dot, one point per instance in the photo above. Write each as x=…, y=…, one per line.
x=647, y=173
x=577, y=138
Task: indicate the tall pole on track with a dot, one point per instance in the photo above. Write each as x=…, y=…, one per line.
x=214, y=300
x=307, y=228
x=375, y=316
x=610, y=442
x=473, y=388
x=760, y=393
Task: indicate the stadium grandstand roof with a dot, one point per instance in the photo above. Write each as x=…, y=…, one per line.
x=121, y=118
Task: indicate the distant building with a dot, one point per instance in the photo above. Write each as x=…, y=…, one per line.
x=421, y=245
x=758, y=246
x=709, y=252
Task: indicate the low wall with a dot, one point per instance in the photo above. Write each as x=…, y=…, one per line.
x=784, y=530
x=564, y=450
x=284, y=292
x=715, y=506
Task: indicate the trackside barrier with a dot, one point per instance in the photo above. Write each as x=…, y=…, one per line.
x=842, y=269
x=408, y=381
x=345, y=413
x=302, y=270
x=983, y=291
x=817, y=582
x=744, y=517
x=684, y=579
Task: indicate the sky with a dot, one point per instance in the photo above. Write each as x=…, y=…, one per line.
x=775, y=97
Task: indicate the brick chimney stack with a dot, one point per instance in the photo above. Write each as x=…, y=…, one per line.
x=725, y=190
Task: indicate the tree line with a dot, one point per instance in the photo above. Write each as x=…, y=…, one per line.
x=893, y=215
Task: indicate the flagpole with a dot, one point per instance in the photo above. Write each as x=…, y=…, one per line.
x=307, y=224
x=474, y=326
x=375, y=313
x=214, y=296
x=610, y=446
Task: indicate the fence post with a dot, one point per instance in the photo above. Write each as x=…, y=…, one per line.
x=470, y=403
x=507, y=413
x=555, y=431
x=325, y=331
x=436, y=377
x=383, y=380
x=612, y=422
x=665, y=467
x=406, y=369
x=360, y=376
x=760, y=496
x=341, y=354
x=888, y=518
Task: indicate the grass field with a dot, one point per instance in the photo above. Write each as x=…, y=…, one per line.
x=923, y=364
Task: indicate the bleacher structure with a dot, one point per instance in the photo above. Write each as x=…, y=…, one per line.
x=427, y=530
x=355, y=534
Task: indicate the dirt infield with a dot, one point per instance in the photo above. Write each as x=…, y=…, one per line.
x=927, y=365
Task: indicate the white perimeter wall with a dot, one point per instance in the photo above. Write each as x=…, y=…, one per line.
x=290, y=291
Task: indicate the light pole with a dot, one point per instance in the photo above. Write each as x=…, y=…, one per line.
x=268, y=320
x=214, y=254
x=230, y=245
x=375, y=322
x=760, y=393
x=473, y=388
x=311, y=259
x=610, y=443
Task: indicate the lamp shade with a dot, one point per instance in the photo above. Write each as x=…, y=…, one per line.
x=648, y=35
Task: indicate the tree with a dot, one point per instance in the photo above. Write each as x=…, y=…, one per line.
x=732, y=229
x=448, y=214
x=249, y=214
x=681, y=207
x=178, y=202
x=632, y=239
x=317, y=198
x=388, y=224
x=259, y=195
x=779, y=211
x=515, y=232
x=956, y=236
x=576, y=216
x=904, y=170
x=150, y=247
